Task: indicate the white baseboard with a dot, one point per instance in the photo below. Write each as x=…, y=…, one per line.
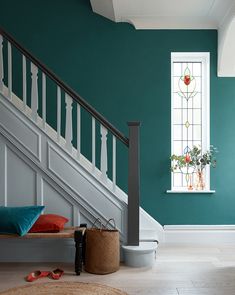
x=200, y=234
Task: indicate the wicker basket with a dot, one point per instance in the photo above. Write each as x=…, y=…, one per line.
x=102, y=249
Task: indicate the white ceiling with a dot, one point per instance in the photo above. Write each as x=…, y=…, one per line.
x=165, y=14
x=179, y=14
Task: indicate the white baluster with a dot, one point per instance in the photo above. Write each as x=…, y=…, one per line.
x=9, y=70
x=1, y=64
x=114, y=162
x=104, y=156
x=93, y=144
x=78, y=131
x=58, y=113
x=24, y=81
x=34, y=92
x=44, y=100
x=69, y=123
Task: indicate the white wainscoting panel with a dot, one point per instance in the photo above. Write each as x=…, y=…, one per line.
x=69, y=174
x=56, y=204
x=21, y=131
x=21, y=181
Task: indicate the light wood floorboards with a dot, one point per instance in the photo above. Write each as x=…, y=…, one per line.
x=179, y=270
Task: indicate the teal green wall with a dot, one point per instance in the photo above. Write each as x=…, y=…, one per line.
x=125, y=74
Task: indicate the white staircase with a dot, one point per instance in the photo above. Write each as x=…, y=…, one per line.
x=41, y=167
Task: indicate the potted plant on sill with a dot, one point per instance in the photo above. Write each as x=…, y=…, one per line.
x=195, y=161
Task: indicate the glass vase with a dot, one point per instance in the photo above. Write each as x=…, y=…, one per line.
x=200, y=183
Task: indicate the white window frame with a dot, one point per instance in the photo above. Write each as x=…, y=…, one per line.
x=204, y=58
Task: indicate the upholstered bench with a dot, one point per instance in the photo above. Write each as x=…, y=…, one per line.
x=76, y=233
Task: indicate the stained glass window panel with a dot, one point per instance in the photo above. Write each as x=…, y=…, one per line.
x=177, y=132
x=188, y=99
x=177, y=147
x=197, y=132
x=197, y=69
x=177, y=101
x=177, y=116
x=177, y=179
x=190, y=124
x=197, y=101
x=177, y=69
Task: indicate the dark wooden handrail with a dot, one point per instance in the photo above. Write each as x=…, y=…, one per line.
x=67, y=89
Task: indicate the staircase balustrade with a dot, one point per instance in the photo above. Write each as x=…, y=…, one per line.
x=93, y=144
x=72, y=97
x=34, y=92
x=9, y=51
x=44, y=100
x=1, y=64
x=79, y=131
x=24, y=81
x=58, y=113
x=103, y=157
x=69, y=123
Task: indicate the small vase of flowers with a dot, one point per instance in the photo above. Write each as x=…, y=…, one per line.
x=194, y=161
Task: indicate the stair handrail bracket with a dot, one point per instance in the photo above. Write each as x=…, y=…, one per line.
x=132, y=143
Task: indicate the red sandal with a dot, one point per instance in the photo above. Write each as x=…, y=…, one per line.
x=57, y=273
x=33, y=276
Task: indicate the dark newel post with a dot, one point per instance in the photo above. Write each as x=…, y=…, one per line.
x=133, y=185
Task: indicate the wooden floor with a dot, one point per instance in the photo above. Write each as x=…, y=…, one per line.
x=179, y=270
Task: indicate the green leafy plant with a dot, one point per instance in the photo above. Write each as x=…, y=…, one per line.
x=195, y=159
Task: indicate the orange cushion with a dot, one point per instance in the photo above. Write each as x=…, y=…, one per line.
x=49, y=223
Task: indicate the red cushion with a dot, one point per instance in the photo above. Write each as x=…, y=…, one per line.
x=49, y=223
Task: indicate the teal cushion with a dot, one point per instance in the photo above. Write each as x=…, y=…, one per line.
x=18, y=220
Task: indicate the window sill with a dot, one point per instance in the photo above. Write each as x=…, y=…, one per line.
x=190, y=192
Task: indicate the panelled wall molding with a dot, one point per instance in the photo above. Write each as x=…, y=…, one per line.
x=55, y=164
x=30, y=154
x=29, y=137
